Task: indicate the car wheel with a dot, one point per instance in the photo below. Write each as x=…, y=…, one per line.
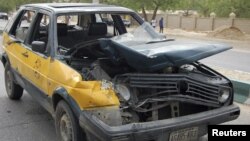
x=67, y=125
x=14, y=91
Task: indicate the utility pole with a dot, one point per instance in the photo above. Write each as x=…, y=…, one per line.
x=95, y=1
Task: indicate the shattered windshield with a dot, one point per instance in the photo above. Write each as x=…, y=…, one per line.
x=143, y=34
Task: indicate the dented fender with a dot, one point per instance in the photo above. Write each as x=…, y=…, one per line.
x=87, y=94
x=61, y=93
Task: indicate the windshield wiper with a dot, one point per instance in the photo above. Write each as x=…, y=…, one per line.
x=157, y=41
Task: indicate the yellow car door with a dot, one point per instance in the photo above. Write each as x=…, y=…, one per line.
x=16, y=53
x=38, y=62
x=38, y=70
x=14, y=41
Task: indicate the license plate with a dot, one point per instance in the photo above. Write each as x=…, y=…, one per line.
x=189, y=134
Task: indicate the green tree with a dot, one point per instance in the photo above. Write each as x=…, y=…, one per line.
x=144, y=5
x=6, y=6
x=10, y=5
x=222, y=8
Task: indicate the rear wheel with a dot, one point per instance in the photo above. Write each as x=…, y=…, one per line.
x=67, y=125
x=14, y=91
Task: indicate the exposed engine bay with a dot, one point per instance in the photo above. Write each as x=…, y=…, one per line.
x=144, y=96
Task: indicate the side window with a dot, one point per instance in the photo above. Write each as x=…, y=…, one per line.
x=98, y=18
x=21, y=29
x=111, y=20
x=85, y=20
x=70, y=20
x=40, y=32
x=41, y=29
x=45, y=20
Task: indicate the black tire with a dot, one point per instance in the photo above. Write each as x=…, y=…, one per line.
x=14, y=91
x=67, y=125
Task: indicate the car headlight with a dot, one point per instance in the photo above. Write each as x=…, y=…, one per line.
x=123, y=91
x=224, y=95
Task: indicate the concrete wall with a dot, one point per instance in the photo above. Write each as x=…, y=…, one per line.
x=199, y=24
x=202, y=24
x=158, y=17
x=218, y=22
x=173, y=21
x=188, y=23
x=243, y=25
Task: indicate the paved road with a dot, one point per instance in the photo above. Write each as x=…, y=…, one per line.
x=232, y=59
x=237, y=58
x=23, y=120
x=2, y=24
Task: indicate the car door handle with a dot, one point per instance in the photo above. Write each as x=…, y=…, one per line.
x=25, y=54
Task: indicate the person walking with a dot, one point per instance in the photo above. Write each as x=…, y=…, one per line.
x=153, y=23
x=161, y=25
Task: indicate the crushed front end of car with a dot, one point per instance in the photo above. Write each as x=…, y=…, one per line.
x=164, y=92
x=163, y=106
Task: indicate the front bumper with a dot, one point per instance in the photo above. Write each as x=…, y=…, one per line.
x=156, y=130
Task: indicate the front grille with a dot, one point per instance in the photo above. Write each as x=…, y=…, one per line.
x=164, y=85
x=207, y=93
x=176, y=87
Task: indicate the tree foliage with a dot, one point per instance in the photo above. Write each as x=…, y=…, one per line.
x=6, y=6
x=10, y=5
x=222, y=8
x=144, y=5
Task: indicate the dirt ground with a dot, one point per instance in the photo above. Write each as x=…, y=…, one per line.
x=228, y=32
x=239, y=45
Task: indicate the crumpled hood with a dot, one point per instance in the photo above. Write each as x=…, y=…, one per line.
x=155, y=56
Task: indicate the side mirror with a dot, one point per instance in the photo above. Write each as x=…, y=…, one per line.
x=38, y=46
